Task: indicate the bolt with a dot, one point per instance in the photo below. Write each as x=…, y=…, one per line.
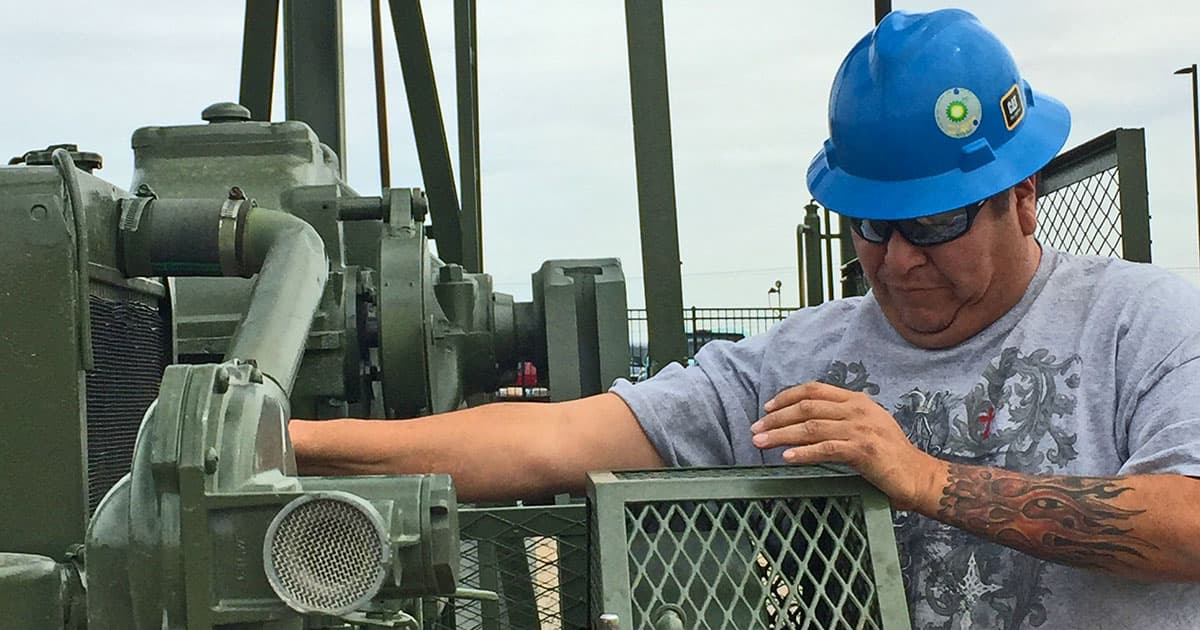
x=38, y=212
x=221, y=381
x=210, y=460
x=236, y=193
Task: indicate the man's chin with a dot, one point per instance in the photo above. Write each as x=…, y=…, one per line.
x=925, y=324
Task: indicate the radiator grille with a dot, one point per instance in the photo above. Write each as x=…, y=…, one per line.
x=129, y=342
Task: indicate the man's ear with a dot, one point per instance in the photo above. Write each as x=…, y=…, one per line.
x=1025, y=200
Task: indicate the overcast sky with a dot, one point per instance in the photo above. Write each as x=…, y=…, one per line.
x=748, y=84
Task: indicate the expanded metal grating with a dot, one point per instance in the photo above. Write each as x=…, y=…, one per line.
x=1084, y=217
x=1094, y=200
x=535, y=558
x=784, y=547
x=768, y=563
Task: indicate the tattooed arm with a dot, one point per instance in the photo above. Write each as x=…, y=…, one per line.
x=1145, y=527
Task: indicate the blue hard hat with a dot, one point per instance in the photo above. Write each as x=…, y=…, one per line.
x=928, y=113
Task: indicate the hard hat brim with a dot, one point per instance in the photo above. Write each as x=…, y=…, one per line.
x=1041, y=135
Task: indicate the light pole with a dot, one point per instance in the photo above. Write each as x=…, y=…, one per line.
x=1195, y=130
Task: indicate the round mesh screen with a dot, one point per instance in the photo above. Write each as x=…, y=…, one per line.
x=326, y=553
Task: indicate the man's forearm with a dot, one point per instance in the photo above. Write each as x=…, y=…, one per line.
x=1145, y=527
x=492, y=453
x=495, y=452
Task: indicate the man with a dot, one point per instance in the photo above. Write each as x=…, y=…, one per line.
x=1033, y=416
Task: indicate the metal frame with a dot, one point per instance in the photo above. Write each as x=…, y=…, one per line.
x=428, y=128
x=312, y=53
x=609, y=492
x=466, y=63
x=655, y=180
x=259, y=38
x=1124, y=150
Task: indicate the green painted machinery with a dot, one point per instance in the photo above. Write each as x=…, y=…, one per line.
x=158, y=341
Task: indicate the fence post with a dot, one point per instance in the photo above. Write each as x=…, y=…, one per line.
x=800, y=264
x=812, y=255
x=1134, y=193
x=691, y=347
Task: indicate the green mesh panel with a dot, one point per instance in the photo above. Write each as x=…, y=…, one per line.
x=808, y=547
x=767, y=563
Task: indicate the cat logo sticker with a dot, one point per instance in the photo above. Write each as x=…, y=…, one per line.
x=1013, y=107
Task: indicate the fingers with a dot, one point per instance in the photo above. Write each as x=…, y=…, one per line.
x=801, y=411
x=839, y=451
x=807, y=391
x=810, y=432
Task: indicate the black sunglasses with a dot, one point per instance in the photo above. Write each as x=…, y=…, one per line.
x=921, y=231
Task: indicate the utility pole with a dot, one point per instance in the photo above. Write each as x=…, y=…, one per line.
x=1195, y=135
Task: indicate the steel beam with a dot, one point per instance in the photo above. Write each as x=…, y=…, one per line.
x=428, y=129
x=882, y=8
x=312, y=51
x=259, y=38
x=655, y=181
x=466, y=63
x=1134, y=194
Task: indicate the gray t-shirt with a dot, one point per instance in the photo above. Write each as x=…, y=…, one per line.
x=1095, y=372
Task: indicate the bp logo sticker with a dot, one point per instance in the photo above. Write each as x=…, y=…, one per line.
x=957, y=112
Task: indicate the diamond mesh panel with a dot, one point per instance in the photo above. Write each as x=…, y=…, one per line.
x=1084, y=217
x=764, y=563
x=535, y=558
x=326, y=555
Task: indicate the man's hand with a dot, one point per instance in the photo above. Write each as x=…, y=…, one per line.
x=822, y=423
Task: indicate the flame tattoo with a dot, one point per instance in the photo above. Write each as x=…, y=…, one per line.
x=1071, y=520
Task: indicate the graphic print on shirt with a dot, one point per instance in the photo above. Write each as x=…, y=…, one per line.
x=1013, y=418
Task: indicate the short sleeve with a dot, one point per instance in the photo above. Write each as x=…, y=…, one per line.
x=1158, y=362
x=1164, y=432
x=700, y=415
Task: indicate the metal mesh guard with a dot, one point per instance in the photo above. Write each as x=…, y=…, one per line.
x=326, y=553
x=763, y=563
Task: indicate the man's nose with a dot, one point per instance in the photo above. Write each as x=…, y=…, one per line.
x=900, y=255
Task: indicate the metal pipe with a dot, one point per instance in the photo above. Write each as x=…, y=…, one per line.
x=800, y=262
x=202, y=237
x=827, y=238
x=66, y=169
x=1192, y=70
x=385, y=163
x=289, y=257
